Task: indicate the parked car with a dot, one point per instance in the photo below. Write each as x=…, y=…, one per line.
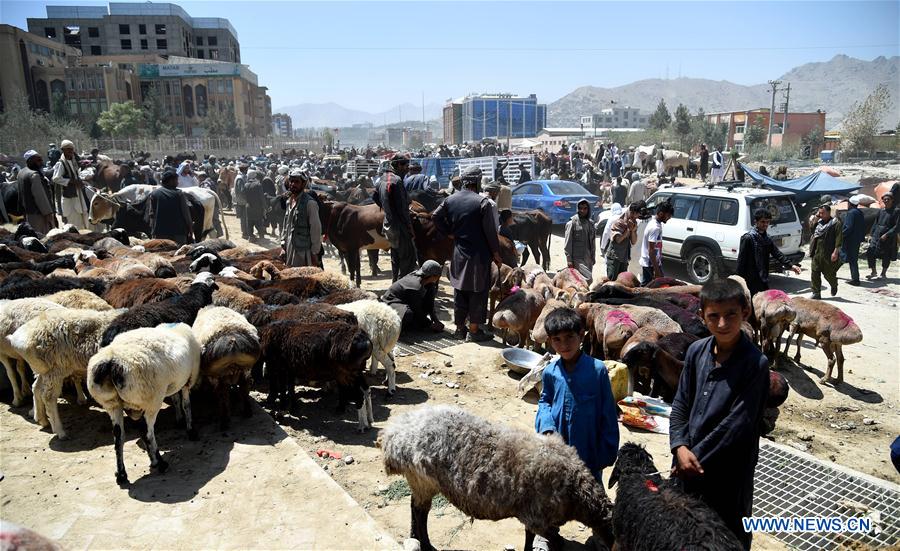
x=558, y=199
x=705, y=231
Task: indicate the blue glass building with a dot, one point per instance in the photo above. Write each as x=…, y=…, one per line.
x=501, y=116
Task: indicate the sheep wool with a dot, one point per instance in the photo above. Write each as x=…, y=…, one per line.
x=136, y=372
x=382, y=324
x=13, y=315
x=490, y=471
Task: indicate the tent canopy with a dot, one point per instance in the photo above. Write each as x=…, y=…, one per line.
x=807, y=188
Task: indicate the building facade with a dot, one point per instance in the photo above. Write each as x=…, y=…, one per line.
x=282, y=126
x=125, y=28
x=452, y=118
x=32, y=66
x=501, y=116
x=798, y=125
x=616, y=117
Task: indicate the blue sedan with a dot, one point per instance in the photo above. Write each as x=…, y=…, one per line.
x=557, y=198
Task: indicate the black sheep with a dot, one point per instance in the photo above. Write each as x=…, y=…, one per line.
x=208, y=262
x=45, y=267
x=322, y=352
x=49, y=285
x=24, y=230
x=178, y=309
x=305, y=313
x=651, y=513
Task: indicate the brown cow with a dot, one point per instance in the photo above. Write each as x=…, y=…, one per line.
x=432, y=244
x=110, y=175
x=351, y=228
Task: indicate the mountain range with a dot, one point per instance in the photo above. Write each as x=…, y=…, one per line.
x=316, y=115
x=832, y=85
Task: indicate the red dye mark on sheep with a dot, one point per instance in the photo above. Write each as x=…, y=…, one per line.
x=651, y=486
x=775, y=294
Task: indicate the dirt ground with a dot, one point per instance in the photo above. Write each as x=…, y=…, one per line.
x=851, y=424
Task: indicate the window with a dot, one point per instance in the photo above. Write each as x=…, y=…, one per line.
x=200, y=54
x=213, y=53
x=142, y=29
x=684, y=206
x=124, y=29
x=50, y=32
x=528, y=189
x=200, y=92
x=229, y=87
x=187, y=95
x=781, y=208
x=143, y=43
x=73, y=106
x=161, y=29
x=220, y=86
x=162, y=44
x=93, y=32
x=126, y=44
x=720, y=211
x=102, y=104
x=739, y=129
x=199, y=40
x=212, y=41
x=96, y=50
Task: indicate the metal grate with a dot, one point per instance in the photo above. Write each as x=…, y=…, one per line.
x=791, y=484
x=421, y=343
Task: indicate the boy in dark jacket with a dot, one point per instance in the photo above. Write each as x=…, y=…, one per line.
x=755, y=250
x=854, y=231
x=717, y=412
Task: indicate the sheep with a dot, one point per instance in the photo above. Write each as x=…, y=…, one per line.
x=306, y=313
x=229, y=350
x=13, y=315
x=63, y=273
x=57, y=344
x=688, y=321
x=642, y=334
x=301, y=287
x=347, y=295
x=135, y=373
x=503, y=281
x=654, y=372
x=539, y=333
x=122, y=268
x=237, y=300
x=50, y=285
x=275, y=297
x=569, y=279
x=518, y=312
x=773, y=313
x=20, y=275
x=159, y=245
x=208, y=262
x=538, y=280
x=382, y=324
x=652, y=513
x=322, y=352
x=829, y=326
x=489, y=471
x=44, y=267
x=182, y=308
x=135, y=292
x=217, y=245
x=642, y=316
x=15, y=538
x=613, y=330
x=331, y=282
x=79, y=299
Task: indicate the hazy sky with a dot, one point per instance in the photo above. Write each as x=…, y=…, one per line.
x=374, y=55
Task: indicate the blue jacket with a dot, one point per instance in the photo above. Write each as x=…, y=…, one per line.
x=580, y=407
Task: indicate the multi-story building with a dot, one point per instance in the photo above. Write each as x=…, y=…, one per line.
x=281, y=125
x=616, y=117
x=191, y=88
x=125, y=28
x=453, y=122
x=501, y=116
x=32, y=66
x=91, y=89
x=798, y=125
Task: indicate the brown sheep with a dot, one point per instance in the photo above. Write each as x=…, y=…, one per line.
x=539, y=333
x=518, y=312
x=130, y=293
x=831, y=328
x=237, y=300
x=569, y=279
x=275, y=297
x=773, y=313
x=504, y=280
x=347, y=296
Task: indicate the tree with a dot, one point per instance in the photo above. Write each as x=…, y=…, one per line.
x=328, y=137
x=59, y=108
x=661, y=119
x=861, y=124
x=121, y=119
x=754, y=134
x=813, y=141
x=154, y=115
x=682, y=123
x=34, y=129
x=222, y=123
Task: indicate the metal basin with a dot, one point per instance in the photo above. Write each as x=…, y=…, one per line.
x=520, y=360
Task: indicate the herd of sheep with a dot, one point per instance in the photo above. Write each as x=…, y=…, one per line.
x=138, y=321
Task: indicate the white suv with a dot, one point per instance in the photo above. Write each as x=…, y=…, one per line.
x=705, y=231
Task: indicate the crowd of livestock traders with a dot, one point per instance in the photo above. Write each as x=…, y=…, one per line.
x=119, y=277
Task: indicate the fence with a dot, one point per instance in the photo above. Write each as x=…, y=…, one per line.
x=121, y=147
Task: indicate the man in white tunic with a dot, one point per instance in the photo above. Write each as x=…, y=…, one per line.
x=67, y=175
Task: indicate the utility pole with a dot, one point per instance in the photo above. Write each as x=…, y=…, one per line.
x=787, y=102
x=774, y=84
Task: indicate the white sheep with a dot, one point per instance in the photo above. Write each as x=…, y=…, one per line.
x=229, y=350
x=58, y=344
x=135, y=372
x=382, y=324
x=14, y=314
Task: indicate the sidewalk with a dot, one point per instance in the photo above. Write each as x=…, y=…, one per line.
x=250, y=488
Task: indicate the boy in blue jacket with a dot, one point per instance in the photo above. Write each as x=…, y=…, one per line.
x=577, y=400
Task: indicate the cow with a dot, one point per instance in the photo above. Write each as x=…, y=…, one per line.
x=351, y=228
x=225, y=184
x=427, y=198
x=110, y=175
x=10, y=195
x=105, y=206
x=674, y=160
x=533, y=228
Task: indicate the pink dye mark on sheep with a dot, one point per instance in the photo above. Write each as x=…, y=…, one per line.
x=844, y=318
x=620, y=317
x=775, y=294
